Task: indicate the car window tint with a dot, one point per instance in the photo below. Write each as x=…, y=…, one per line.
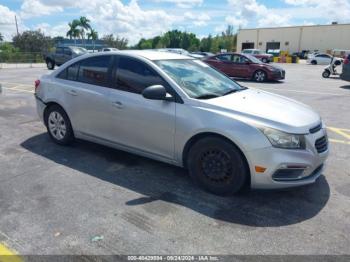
x=239, y=59
x=59, y=50
x=224, y=57
x=94, y=70
x=134, y=76
x=67, y=51
x=70, y=73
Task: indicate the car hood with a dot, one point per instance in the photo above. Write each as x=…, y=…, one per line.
x=267, y=109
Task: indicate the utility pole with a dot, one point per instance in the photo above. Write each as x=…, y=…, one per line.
x=16, y=25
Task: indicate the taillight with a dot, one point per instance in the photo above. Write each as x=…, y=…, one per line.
x=36, y=84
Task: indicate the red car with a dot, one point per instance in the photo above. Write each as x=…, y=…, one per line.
x=245, y=66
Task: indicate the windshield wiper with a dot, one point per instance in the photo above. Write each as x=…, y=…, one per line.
x=207, y=96
x=234, y=91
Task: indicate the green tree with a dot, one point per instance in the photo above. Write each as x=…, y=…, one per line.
x=84, y=24
x=116, y=42
x=1, y=37
x=73, y=31
x=32, y=41
x=93, y=35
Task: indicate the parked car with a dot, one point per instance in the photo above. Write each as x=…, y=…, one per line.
x=179, y=110
x=259, y=54
x=203, y=54
x=245, y=66
x=319, y=59
x=345, y=75
x=62, y=55
x=109, y=49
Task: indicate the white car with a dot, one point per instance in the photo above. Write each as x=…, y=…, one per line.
x=319, y=59
x=179, y=110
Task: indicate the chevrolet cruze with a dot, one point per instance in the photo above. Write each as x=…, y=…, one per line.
x=179, y=110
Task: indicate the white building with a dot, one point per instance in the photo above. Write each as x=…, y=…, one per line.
x=296, y=38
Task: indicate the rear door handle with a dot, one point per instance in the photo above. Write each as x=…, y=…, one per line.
x=118, y=104
x=72, y=92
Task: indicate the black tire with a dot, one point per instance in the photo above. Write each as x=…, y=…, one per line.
x=260, y=76
x=217, y=166
x=60, y=137
x=314, y=62
x=326, y=74
x=264, y=60
x=50, y=64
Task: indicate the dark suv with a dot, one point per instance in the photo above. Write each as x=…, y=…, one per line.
x=62, y=55
x=345, y=75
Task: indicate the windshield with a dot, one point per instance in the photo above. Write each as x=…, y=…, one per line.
x=254, y=59
x=79, y=50
x=198, y=79
x=247, y=51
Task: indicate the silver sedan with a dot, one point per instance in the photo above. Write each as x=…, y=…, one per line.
x=176, y=109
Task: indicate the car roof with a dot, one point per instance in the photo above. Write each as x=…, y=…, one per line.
x=148, y=54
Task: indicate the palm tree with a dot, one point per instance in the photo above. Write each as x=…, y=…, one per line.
x=93, y=35
x=73, y=31
x=84, y=24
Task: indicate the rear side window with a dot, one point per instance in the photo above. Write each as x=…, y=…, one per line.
x=134, y=76
x=59, y=50
x=70, y=73
x=224, y=57
x=95, y=70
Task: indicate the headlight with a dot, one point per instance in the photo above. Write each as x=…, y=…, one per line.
x=284, y=140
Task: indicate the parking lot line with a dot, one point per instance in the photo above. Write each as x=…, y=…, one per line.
x=7, y=255
x=341, y=132
x=339, y=141
x=18, y=90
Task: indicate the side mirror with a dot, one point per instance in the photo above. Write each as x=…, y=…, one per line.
x=156, y=92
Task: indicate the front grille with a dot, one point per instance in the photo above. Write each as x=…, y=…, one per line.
x=316, y=129
x=321, y=144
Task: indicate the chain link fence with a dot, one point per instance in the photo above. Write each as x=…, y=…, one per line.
x=21, y=59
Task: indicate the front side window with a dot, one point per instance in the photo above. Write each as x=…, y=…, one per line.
x=238, y=59
x=95, y=70
x=134, y=76
x=198, y=79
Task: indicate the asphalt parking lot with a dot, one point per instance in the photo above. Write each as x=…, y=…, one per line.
x=90, y=199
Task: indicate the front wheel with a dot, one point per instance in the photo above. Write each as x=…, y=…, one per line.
x=326, y=73
x=314, y=62
x=58, y=125
x=264, y=60
x=217, y=166
x=260, y=76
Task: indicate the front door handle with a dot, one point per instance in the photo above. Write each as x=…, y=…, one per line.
x=72, y=92
x=118, y=104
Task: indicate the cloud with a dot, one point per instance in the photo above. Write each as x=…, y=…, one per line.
x=182, y=3
x=35, y=8
x=7, y=23
x=57, y=30
x=197, y=19
x=250, y=12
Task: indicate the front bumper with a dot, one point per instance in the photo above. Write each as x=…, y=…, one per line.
x=278, y=75
x=274, y=160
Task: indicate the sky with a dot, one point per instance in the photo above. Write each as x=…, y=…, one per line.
x=135, y=19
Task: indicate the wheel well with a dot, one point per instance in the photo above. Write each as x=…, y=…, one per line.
x=200, y=136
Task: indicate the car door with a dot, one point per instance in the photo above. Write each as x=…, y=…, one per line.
x=241, y=67
x=86, y=91
x=139, y=123
x=323, y=59
x=59, y=56
x=67, y=54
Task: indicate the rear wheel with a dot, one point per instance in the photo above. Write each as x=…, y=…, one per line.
x=58, y=125
x=314, y=62
x=260, y=76
x=217, y=166
x=50, y=64
x=326, y=73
